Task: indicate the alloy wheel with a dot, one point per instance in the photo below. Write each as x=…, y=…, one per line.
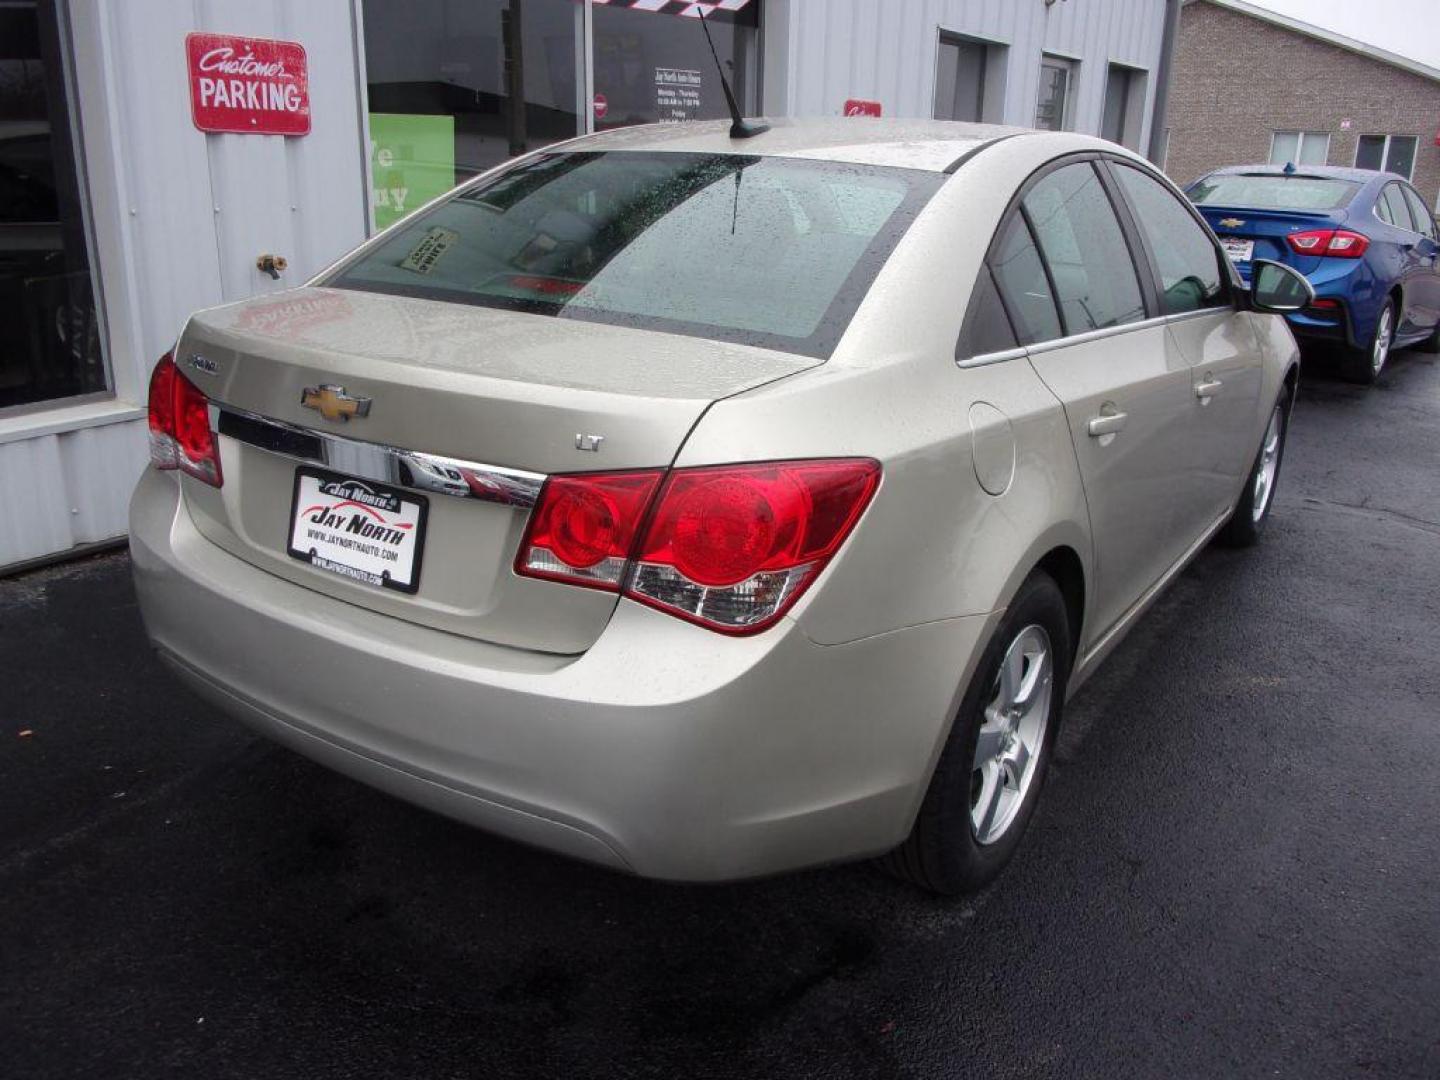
x=1012, y=734
x=1380, y=348
x=1269, y=464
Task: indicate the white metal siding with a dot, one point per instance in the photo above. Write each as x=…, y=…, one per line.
x=179, y=219
x=67, y=488
x=885, y=50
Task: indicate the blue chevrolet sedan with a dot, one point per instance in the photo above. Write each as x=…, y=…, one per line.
x=1366, y=241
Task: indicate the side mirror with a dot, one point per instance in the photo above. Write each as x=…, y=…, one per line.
x=1277, y=288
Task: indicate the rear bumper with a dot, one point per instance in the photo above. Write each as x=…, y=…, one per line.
x=1333, y=326
x=1349, y=283
x=664, y=749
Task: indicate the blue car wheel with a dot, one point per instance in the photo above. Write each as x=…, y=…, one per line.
x=1364, y=364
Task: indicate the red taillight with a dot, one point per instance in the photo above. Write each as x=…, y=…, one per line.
x=1333, y=243
x=180, y=434
x=583, y=527
x=729, y=547
x=733, y=547
x=163, y=453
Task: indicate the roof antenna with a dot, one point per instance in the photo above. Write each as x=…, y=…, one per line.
x=740, y=128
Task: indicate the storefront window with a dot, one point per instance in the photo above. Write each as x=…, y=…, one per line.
x=49, y=328
x=651, y=65
x=457, y=87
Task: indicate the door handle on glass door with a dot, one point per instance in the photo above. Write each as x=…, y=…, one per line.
x=1208, y=389
x=1106, y=424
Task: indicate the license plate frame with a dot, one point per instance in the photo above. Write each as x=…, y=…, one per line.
x=390, y=520
x=1235, y=245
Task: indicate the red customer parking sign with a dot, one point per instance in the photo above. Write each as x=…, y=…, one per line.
x=248, y=85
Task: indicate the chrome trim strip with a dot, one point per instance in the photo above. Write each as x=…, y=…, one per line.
x=986, y=359
x=433, y=474
x=1097, y=335
x=1185, y=316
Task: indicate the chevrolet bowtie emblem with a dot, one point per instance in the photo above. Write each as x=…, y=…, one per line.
x=1231, y=222
x=333, y=403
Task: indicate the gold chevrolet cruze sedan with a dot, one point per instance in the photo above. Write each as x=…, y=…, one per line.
x=710, y=507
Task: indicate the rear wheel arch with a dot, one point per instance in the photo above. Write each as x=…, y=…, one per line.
x=1063, y=564
x=1290, y=382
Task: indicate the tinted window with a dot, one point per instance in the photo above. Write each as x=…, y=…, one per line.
x=1021, y=278
x=1184, y=254
x=1272, y=191
x=987, y=327
x=1400, y=157
x=1084, y=250
x=1420, y=212
x=1370, y=152
x=764, y=251
x=1388, y=153
x=1398, y=214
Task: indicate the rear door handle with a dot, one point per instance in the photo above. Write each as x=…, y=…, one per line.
x=1106, y=424
x=1208, y=389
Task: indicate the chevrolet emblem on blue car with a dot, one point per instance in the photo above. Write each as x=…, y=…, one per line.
x=1231, y=222
x=333, y=403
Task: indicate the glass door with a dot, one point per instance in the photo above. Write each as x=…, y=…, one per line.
x=1052, y=104
x=455, y=87
x=652, y=63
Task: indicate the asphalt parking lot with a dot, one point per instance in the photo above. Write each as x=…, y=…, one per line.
x=1235, y=870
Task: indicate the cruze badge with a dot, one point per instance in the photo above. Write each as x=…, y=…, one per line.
x=1231, y=222
x=203, y=363
x=333, y=403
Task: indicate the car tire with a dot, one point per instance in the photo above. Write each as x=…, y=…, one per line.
x=978, y=805
x=1247, y=520
x=1364, y=365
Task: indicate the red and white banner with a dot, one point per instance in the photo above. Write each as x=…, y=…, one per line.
x=861, y=107
x=248, y=85
x=688, y=8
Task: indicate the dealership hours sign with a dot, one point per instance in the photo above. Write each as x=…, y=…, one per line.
x=248, y=85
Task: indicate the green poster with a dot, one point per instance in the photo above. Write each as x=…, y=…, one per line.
x=412, y=159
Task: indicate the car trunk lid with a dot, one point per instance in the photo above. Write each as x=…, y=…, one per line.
x=517, y=395
x=1266, y=231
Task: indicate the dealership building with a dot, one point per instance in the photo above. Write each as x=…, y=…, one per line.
x=1237, y=99
x=161, y=156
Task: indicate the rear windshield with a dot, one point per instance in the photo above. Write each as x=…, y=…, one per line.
x=1270, y=192
x=764, y=251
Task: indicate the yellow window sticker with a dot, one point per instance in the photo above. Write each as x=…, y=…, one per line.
x=432, y=246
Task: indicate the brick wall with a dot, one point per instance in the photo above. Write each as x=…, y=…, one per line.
x=1237, y=79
